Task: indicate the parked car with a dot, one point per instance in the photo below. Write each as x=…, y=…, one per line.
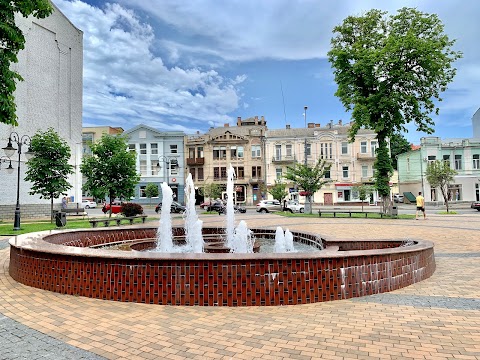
x=475, y=205
x=204, y=204
x=398, y=198
x=236, y=209
x=87, y=204
x=295, y=207
x=216, y=205
x=265, y=206
x=116, y=207
x=175, y=208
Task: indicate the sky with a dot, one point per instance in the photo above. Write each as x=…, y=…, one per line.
x=191, y=65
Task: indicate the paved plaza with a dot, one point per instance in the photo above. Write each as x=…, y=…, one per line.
x=438, y=318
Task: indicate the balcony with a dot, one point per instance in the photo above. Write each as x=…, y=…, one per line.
x=365, y=156
x=197, y=161
x=285, y=159
x=255, y=180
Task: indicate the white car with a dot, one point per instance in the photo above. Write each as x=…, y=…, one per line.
x=295, y=207
x=398, y=198
x=87, y=204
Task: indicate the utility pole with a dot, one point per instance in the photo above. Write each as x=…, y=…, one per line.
x=305, y=117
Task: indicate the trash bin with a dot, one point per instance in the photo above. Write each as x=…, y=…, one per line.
x=394, y=211
x=60, y=218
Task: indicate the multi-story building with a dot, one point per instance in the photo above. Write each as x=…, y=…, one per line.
x=351, y=163
x=49, y=97
x=211, y=154
x=92, y=134
x=160, y=158
x=463, y=155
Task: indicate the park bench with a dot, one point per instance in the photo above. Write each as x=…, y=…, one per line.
x=118, y=220
x=349, y=212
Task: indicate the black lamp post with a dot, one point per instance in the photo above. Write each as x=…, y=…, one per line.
x=305, y=117
x=168, y=161
x=9, y=151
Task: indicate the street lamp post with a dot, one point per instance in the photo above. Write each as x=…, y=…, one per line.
x=305, y=117
x=9, y=151
x=167, y=161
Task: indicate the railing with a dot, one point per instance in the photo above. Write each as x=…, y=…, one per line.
x=284, y=159
x=197, y=161
x=365, y=156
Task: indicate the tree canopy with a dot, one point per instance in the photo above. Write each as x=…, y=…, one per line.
x=398, y=145
x=12, y=41
x=49, y=169
x=310, y=179
x=110, y=170
x=390, y=71
x=439, y=174
x=278, y=191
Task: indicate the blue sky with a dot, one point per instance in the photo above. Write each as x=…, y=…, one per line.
x=190, y=65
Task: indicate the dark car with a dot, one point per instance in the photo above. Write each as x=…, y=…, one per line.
x=215, y=206
x=475, y=205
x=236, y=209
x=176, y=208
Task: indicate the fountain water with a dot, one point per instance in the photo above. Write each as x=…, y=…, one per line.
x=164, y=235
x=193, y=226
x=230, y=228
x=283, y=241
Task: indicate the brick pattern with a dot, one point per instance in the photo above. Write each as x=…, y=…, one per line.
x=215, y=280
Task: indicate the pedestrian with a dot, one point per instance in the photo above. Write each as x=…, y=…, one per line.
x=64, y=203
x=420, y=206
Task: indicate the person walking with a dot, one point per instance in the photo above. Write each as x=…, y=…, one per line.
x=420, y=205
x=64, y=203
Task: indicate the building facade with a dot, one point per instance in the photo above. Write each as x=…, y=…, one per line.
x=160, y=158
x=463, y=155
x=210, y=155
x=49, y=97
x=351, y=163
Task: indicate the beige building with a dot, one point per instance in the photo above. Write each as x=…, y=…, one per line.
x=209, y=156
x=94, y=133
x=352, y=163
x=50, y=96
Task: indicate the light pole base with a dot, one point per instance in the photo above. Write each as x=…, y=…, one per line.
x=16, y=224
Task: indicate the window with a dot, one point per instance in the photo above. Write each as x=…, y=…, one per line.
x=363, y=147
x=174, y=167
x=309, y=149
x=364, y=171
x=216, y=173
x=373, y=147
x=240, y=152
x=476, y=161
x=200, y=152
x=131, y=147
x=326, y=150
x=192, y=172
x=344, y=148
x=431, y=158
x=446, y=158
x=173, y=149
x=200, y=174
x=143, y=149
x=458, y=162
x=223, y=172
x=256, y=151
x=240, y=172
x=141, y=192
x=154, y=149
x=143, y=167
x=256, y=172
x=278, y=152
x=233, y=152
x=345, y=172
x=288, y=149
x=219, y=152
x=153, y=167
x=191, y=153
x=327, y=174
x=278, y=172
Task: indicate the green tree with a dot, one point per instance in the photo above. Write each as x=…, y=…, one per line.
x=390, y=72
x=211, y=191
x=364, y=192
x=151, y=190
x=310, y=179
x=439, y=174
x=110, y=169
x=398, y=145
x=49, y=169
x=12, y=41
x=278, y=191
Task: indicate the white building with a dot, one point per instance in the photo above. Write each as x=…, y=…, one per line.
x=50, y=96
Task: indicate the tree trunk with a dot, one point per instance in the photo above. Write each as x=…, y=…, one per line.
x=51, y=209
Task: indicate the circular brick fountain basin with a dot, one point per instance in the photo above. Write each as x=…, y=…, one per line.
x=71, y=262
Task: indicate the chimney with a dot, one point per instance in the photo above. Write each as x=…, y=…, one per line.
x=239, y=121
x=226, y=125
x=340, y=122
x=287, y=126
x=262, y=120
x=198, y=132
x=317, y=125
x=256, y=120
x=311, y=125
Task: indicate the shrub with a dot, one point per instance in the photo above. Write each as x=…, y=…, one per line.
x=131, y=209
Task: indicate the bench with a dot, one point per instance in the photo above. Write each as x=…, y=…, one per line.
x=117, y=220
x=349, y=212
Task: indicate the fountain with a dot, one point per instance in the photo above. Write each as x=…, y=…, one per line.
x=76, y=262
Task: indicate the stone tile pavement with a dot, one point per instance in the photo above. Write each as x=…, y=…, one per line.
x=438, y=318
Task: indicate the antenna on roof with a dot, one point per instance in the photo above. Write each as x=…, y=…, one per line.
x=283, y=99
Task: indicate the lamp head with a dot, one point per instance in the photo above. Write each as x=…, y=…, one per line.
x=9, y=149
